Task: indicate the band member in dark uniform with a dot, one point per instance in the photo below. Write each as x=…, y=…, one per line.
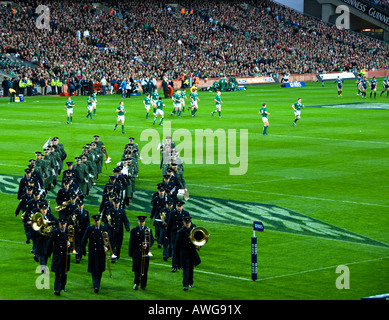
x=80, y=221
x=158, y=202
x=187, y=254
x=58, y=246
x=141, y=240
x=97, y=250
x=163, y=215
x=41, y=237
x=116, y=218
x=173, y=226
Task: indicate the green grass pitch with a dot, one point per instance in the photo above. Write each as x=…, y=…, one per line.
x=320, y=189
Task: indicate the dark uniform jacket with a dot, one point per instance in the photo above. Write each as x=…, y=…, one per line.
x=118, y=218
x=58, y=247
x=96, y=254
x=137, y=237
x=175, y=221
x=185, y=250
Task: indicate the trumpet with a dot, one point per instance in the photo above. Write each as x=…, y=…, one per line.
x=107, y=243
x=199, y=236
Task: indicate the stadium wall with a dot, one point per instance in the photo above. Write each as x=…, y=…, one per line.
x=306, y=77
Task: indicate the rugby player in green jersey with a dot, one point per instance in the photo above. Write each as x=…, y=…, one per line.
x=297, y=106
x=69, y=104
x=146, y=102
x=160, y=105
x=263, y=112
x=94, y=100
x=177, y=103
x=90, y=107
x=154, y=99
x=120, y=118
x=218, y=101
x=194, y=98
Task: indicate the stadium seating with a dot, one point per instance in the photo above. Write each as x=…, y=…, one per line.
x=210, y=38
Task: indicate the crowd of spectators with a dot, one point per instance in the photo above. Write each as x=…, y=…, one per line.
x=149, y=38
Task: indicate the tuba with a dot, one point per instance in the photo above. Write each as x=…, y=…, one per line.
x=37, y=221
x=199, y=236
x=43, y=227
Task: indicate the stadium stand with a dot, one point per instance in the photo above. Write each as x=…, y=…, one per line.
x=204, y=38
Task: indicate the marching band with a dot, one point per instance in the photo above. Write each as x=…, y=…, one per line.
x=71, y=231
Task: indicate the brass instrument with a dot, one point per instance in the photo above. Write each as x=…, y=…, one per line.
x=62, y=206
x=163, y=218
x=109, y=220
x=71, y=238
x=107, y=243
x=74, y=220
x=145, y=250
x=105, y=152
x=43, y=227
x=199, y=236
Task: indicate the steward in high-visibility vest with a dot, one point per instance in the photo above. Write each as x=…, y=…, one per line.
x=59, y=86
x=22, y=85
x=29, y=87
x=53, y=85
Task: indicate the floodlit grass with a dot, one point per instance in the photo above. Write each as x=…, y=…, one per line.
x=331, y=168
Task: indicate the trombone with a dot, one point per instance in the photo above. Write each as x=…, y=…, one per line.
x=145, y=250
x=71, y=235
x=107, y=243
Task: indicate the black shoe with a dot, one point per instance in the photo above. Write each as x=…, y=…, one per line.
x=185, y=288
x=174, y=269
x=96, y=290
x=164, y=258
x=135, y=287
x=57, y=293
x=143, y=288
x=28, y=241
x=191, y=286
x=159, y=246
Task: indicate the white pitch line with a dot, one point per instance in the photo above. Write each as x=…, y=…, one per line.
x=74, y=124
x=248, y=279
x=320, y=269
x=293, y=195
x=157, y=264
x=262, y=181
x=329, y=139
